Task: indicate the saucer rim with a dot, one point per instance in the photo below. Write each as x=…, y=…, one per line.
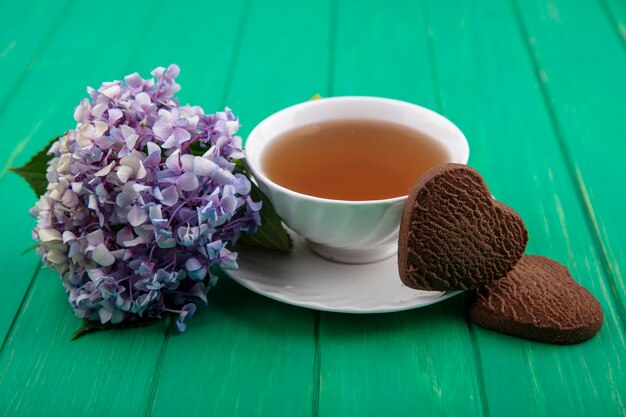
x=282, y=297
x=346, y=310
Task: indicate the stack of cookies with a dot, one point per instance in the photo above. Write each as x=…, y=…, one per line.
x=455, y=236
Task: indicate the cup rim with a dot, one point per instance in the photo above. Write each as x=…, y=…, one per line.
x=257, y=172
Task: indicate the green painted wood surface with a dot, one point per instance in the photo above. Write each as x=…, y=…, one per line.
x=409, y=360
x=39, y=110
x=248, y=355
x=38, y=361
x=615, y=11
x=24, y=35
x=493, y=94
x=589, y=119
x=539, y=100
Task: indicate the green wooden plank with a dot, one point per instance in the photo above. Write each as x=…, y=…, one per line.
x=40, y=110
x=616, y=13
x=418, y=362
x=43, y=373
x=73, y=60
x=383, y=52
x=24, y=33
x=489, y=86
x=589, y=118
x=243, y=355
x=408, y=363
x=246, y=355
x=283, y=59
x=16, y=268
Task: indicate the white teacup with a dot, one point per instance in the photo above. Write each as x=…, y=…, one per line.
x=346, y=231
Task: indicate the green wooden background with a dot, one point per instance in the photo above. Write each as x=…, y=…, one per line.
x=537, y=86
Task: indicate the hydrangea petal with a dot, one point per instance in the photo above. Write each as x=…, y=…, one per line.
x=124, y=173
x=124, y=235
x=85, y=134
x=242, y=184
x=125, y=186
x=137, y=215
x=100, y=128
x=102, y=256
x=162, y=129
x=192, y=264
x=48, y=235
x=187, y=182
x=104, y=171
x=82, y=111
x=187, y=311
x=203, y=167
x=199, y=291
x=141, y=172
x=181, y=135
x=168, y=197
x=105, y=315
x=173, y=162
x=186, y=163
x=222, y=177
x=198, y=274
x=229, y=203
x=155, y=213
x=98, y=110
x=112, y=92
x=143, y=99
x=173, y=71
x=95, y=238
x=115, y=115
x=133, y=80
x=68, y=236
x=69, y=199
x=56, y=256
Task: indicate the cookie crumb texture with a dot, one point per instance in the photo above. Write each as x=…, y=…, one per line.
x=538, y=300
x=453, y=235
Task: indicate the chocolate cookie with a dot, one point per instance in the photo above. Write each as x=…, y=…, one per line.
x=538, y=300
x=453, y=235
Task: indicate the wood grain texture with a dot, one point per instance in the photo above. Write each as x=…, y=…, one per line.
x=246, y=355
x=17, y=269
x=588, y=116
x=282, y=60
x=243, y=355
x=24, y=34
x=407, y=363
x=615, y=11
x=43, y=373
x=537, y=88
x=40, y=110
x=490, y=88
x=403, y=364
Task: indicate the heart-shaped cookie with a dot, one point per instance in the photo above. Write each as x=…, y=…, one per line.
x=453, y=235
x=538, y=300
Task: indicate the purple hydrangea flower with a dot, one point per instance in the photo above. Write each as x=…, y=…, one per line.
x=132, y=220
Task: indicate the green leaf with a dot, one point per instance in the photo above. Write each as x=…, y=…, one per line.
x=95, y=326
x=271, y=234
x=196, y=149
x=30, y=248
x=34, y=171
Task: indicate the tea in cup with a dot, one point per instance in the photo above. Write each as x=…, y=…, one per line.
x=338, y=170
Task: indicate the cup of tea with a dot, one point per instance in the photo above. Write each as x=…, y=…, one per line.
x=338, y=170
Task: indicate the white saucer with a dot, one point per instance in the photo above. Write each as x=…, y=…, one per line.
x=304, y=279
